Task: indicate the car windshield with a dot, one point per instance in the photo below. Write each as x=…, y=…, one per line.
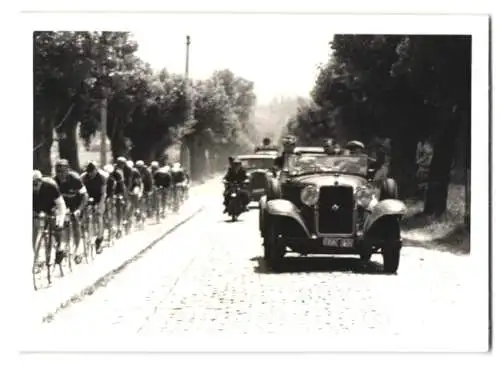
x=257, y=163
x=317, y=163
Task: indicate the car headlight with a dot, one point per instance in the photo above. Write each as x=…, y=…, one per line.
x=364, y=196
x=309, y=195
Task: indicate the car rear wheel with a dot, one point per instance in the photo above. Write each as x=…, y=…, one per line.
x=274, y=249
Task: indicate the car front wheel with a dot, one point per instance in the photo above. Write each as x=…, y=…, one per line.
x=391, y=251
x=273, y=248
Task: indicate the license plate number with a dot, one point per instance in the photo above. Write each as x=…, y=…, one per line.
x=337, y=243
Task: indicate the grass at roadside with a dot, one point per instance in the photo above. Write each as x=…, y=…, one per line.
x=447, y=233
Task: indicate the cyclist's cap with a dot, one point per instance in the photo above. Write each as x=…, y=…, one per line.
x=109, y=168
x=121, y=159
x=91, y=166
x=62, y=162
x=139, y=163
x=130, y=164
x=37, y=175
x=155, y=164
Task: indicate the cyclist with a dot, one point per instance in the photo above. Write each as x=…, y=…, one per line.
x=179, y=180
x=95, y=182
x=47, y=198
x=161, y=180
x=147, y=183
x=119, y=193
x=75, y=196
x=133, y=185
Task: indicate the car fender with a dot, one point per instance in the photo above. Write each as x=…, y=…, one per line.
x=262, y=208
x=281, y=207
x=387, y=207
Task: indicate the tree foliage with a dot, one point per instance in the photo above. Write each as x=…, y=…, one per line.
x=146, y=110
x=405, y=88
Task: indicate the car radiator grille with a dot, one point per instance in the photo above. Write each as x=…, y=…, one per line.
x=338, y=219
x=292, y=194
x=258, y=180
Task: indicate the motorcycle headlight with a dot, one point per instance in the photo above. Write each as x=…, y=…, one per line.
x=309, y=195
x=364, y=196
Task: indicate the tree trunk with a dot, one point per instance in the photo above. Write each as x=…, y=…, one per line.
x=68, y=143
x=439, y=172
x=42, y=141
x=118, y=145
x=402, y=164
x=143, y=152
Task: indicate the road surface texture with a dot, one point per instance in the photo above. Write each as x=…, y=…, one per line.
x=208, y=277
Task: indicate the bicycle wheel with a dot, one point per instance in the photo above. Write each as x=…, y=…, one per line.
x=36, y=270
x=69, y=248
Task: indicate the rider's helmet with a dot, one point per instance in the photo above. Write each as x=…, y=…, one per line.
x=91, y=167
x=121, y=162
x=176, y=167
x=109, y=168
x=37, y=179
x=62, y=166
x=155, y=165
x=139, y=164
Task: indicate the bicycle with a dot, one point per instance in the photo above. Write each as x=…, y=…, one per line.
x=45, y=236
x=89, y=229
x=68, y=231
x=109, y=219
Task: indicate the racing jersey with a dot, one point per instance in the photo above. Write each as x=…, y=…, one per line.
x=178, y=176
x=236, y=176
x=72, y=190
x=118, y=181
x=147, y=179
x=161, y=178
x=94, y=184
x=132, y=178
x=44, y=200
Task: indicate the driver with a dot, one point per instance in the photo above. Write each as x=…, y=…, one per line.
x=236, y=174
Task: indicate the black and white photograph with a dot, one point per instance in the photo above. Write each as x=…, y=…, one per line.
x=203, y=179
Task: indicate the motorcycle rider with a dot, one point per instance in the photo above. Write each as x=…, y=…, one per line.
x=238, y=175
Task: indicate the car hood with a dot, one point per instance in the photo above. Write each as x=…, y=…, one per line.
x=331, y=179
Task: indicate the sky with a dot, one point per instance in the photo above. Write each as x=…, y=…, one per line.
x=280, y=54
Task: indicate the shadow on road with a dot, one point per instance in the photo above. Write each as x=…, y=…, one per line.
x=320, y=264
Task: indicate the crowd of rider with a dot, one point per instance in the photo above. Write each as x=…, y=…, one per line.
x=68, y=192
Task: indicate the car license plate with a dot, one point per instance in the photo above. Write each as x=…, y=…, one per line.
x=338, y=243
x=258, y=190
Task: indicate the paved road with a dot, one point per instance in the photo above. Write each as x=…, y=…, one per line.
x=208, y=277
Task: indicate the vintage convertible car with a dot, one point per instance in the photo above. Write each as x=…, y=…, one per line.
x=327, y=203
x=259, y=170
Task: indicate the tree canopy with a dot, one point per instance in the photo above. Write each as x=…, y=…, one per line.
x=147, y=111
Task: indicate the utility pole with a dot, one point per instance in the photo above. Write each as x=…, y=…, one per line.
x=104, y=112
x=185, y=152
x=104, y=101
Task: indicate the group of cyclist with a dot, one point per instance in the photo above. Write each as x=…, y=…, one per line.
x=132, y=184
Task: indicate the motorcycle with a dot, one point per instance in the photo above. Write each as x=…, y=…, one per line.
x=234, y=203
